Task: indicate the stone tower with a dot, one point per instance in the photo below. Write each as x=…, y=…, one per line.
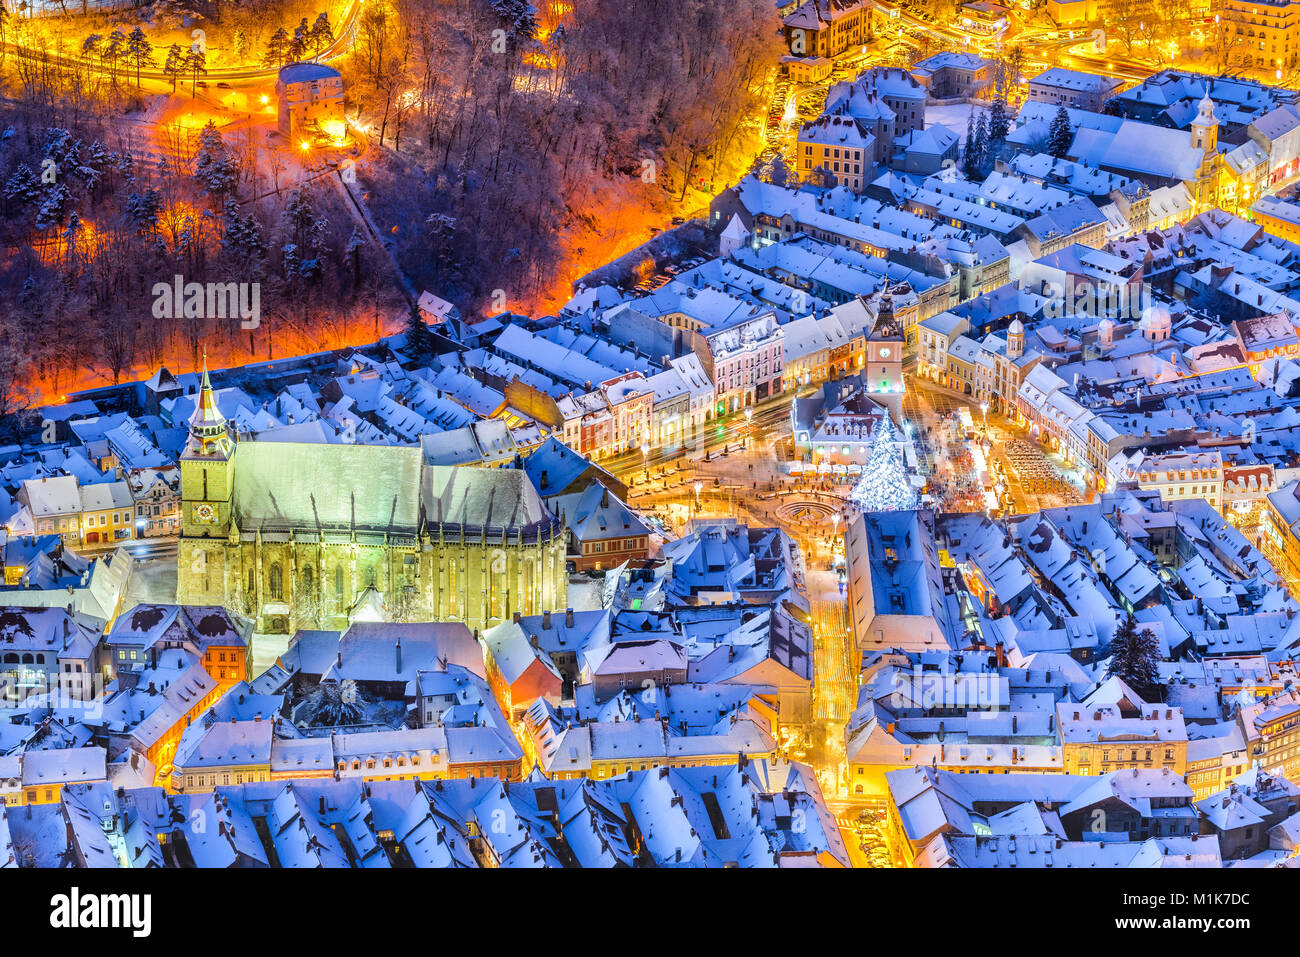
x=207, y=483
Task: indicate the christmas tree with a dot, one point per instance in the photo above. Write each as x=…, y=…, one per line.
x=884, y=485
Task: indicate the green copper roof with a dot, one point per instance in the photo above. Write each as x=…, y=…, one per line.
x=286, y=485
x=291, y=484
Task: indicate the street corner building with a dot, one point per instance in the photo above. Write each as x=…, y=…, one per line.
x=303, y=535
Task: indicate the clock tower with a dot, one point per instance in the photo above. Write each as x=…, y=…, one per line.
x=207, y=484
x=882, y=368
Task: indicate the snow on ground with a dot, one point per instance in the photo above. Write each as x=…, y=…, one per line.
x=266, y=648
x=152, y=582
x=955, y=116
x=586, y=595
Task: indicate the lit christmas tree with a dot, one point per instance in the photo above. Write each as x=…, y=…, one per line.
x=884, y=485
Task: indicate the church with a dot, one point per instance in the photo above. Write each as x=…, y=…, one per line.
x=297, y=535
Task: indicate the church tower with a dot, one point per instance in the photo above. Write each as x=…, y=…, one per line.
x=882, y=370
x=1205, y=138
x=207, y=485
x=1205, y=128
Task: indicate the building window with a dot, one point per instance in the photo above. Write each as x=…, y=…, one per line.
x=277, y=582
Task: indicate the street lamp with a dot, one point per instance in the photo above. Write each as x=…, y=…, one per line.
x=645, y=459
x=984, y=410
x=749, y=420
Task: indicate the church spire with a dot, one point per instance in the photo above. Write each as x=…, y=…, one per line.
x=208, y=434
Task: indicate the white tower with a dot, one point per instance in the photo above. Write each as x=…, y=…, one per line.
x=1205, y=128
x=1106, y=333
x=1015, y=339
x=1156, y=324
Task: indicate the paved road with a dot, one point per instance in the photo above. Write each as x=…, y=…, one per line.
x=238, y=76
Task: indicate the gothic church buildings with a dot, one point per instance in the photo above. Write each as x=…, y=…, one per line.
x=315, y=536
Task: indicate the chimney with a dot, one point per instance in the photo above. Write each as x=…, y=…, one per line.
x=399, y=655
x=546, y=620
x=568, y=617
x=533, y=640
x=516, y=617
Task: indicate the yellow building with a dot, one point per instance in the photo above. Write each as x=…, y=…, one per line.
x=1282, y=533
x=38, y=776
x=1278, y=217
x=1261, y=34
x=1272, y=731
x=1100, y=738
x=107, y=513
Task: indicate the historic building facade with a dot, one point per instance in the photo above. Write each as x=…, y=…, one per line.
x=315, y=535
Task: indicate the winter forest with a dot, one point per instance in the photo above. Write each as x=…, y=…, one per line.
x=507, y=151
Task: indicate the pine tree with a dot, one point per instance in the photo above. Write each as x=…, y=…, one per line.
x=174, y=65
x=885, y=485
x=54, y=211
x=322, y=34
x=420, y=344
x=301, y=41
x=142, y=211
x=1134, y=655
x=520, y=18
x=1060, y=135
x=196, y=65
x=115, y=51
x=139, y=53
x=999, y=122
x=211, y=145
x=213, y=166
x=243, y=239
x=298, y=217
x=980, y=148
x=969, y=161
x=23, y=189
x=277, y=48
